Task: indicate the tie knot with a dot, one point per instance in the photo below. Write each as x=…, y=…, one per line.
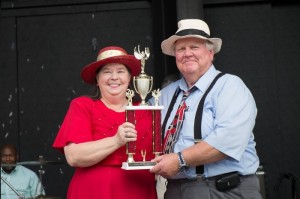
x=188, y=92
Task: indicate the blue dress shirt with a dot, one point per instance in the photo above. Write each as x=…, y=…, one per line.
x=25, y=181
x=228, y=120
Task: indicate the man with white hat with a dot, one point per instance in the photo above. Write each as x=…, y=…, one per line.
x=209, y=147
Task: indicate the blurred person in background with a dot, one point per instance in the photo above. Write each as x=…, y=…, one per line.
x=25, y=182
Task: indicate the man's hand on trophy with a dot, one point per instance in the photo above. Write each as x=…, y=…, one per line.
x=167, y=165
x=126, y=133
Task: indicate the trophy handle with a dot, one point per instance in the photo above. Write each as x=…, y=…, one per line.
x=151, y=84
x=134, y=79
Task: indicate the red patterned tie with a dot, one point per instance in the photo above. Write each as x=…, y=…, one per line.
x=173, y=131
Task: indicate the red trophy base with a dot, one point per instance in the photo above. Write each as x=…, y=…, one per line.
x=137, y=165
x=156, y=136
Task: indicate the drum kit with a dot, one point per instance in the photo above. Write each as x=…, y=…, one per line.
x=40, y=162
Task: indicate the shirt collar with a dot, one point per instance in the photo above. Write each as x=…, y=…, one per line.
x=13, y=171
x=203, y=82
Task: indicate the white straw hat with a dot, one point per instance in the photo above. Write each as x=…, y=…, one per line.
x=190, y=28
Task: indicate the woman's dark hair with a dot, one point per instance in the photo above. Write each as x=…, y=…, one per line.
x=95, y=93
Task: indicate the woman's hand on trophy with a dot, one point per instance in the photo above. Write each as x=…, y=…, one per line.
x=126, y=133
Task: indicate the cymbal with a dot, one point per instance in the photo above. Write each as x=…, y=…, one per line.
x=8, y=165
x=40, y=162
x=32, y=163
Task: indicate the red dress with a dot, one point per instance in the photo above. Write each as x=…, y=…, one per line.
x=88, y=120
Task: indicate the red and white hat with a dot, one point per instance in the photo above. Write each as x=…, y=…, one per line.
x=111, y=54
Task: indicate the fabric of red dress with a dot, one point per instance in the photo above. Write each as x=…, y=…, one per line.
x=88, y=120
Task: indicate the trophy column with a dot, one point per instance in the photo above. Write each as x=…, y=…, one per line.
x=157, y=139
x=130, y=146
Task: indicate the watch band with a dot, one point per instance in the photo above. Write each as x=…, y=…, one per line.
x=181, y=159
x=182, y=163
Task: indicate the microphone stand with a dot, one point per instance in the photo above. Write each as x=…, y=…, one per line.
x=12, y=188
x=41, y=173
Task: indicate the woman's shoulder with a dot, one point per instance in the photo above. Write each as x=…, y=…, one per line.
x=83, y=101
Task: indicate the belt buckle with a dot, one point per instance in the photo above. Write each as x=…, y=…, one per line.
x=200, y=177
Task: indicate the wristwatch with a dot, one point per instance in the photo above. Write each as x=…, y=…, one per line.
x=182, y=163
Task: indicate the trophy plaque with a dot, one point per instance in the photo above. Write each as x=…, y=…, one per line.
x=143, y=86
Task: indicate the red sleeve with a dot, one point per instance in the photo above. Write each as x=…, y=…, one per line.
x=77, y=126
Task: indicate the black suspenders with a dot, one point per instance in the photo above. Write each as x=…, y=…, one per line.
x=198, y=117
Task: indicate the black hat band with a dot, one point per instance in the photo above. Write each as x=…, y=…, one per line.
x=192, y=32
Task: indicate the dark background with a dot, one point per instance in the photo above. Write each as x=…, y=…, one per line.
x=45, y=44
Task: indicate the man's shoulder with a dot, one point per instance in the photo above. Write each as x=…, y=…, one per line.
x=26, y=170
x=170, y=88
x=231, y=80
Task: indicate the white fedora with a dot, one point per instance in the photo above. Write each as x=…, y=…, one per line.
x=190, y=28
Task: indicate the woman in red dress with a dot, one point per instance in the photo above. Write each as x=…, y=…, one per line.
x=94, y=133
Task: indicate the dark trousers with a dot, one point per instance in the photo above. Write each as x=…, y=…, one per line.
x=206, y=189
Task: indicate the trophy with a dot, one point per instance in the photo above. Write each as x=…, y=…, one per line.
x=143, y=86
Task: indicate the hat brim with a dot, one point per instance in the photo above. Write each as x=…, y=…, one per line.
x=88, y=73
x=167, y=45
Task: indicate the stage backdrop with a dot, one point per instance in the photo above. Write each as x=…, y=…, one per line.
x=44, y=45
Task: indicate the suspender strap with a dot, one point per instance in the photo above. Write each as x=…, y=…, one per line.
x=198, y=119
x=169, y=112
